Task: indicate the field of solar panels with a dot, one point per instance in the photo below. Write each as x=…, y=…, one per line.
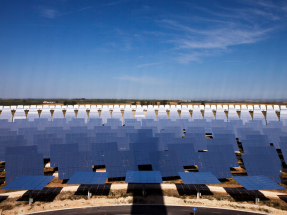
x=130, y=154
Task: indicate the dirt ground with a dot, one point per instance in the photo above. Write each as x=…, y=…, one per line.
x=216, y=198
x=69, y=200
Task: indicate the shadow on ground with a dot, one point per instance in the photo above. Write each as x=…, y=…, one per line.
x=184, y=189
x=2, y=198
x=153, y=190
x=2, y=180
x=283, y=198
x=96, y=190
x=46, y=195
x=241, y=194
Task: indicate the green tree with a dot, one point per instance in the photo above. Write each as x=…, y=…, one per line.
x=163, y=102
x=70, y=102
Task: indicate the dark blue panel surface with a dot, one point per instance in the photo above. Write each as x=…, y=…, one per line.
x=43, y=141
x=257, y=183
x=198, y=139
x=56, y=151
x=215, y=163
x=198, y=178
x=98, y=151
x=25, y=182
x=119, y=162
x=142, y=150
x=283, y=146
x=23, y=160
x=262, y=161
x=146, y=177
x=167, y=162
x=225, y=151
x=187, y=153
x=223, y=139
x=88, y=178
x=69, y=160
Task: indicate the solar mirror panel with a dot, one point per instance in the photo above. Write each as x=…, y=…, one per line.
x=106, y=137
x=242, y=132
x=262, y=161
x=173, y=129
x=10, y=135
x=102, y=129
x=76, y=127
x=188, y=155
x=283, y=147
x=80, y=138
x=226, y=151
x=10, y=143
x=226, y=139
x=269, y=152
x=257, y=125
x=273, y=135
x=255, y=141
x=142, y=150
x=193, y=128
x=274, y=124
x=257, y=183
x=123, y=143
x=199, y=140
x=56, y=151
x=167, y=162
x=146, y=144
x=43, y=142
x=283, y=138
x=74, y=162
x=88, y=178
x=119, y=162
x=136, y=137
x=95, y=121
x=198, y=178
x=146, y=131
x=165, y=139
x=220, y=130
x=146, y=177
x=183, y=122
x=98, y=151
x=25, y=182
x=28, y=134
x=114, y=123
x=123, y=130
x=214, y=163
x=23, y=160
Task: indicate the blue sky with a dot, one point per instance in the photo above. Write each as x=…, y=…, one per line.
x=143, y=49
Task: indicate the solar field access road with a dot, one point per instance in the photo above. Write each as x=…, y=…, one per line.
x=146, y=209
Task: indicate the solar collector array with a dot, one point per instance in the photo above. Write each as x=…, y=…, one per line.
x=155, y=136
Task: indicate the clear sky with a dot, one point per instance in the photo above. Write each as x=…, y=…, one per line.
x=143, y=49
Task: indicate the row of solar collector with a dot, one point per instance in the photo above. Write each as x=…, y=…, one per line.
x=41, y=129
x=160, y=123
x=157, y=135
x=25, y=160
x=146, y=107
x=165, y=153
x=19, y=112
